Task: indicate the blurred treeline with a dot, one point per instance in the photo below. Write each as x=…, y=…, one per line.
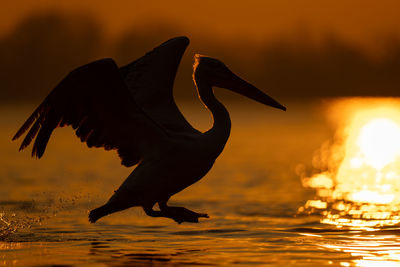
x=43, y=48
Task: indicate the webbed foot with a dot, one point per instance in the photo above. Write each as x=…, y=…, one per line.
x=178, y=214
x=181, y=214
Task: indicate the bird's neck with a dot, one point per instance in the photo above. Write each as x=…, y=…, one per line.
x=219, y=133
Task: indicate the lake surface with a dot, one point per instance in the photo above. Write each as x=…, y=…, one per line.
x=252, y=195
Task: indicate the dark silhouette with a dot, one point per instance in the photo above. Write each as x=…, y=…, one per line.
x=132, y=109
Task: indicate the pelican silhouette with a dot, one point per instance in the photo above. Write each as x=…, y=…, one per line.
x=132, y=109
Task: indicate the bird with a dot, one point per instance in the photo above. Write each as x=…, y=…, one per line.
x=131, y=109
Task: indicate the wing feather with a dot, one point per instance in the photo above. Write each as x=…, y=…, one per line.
x=95, y=101
x=129, y=108
x=150, y=80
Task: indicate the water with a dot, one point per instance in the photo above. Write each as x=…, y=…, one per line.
x=252, y=196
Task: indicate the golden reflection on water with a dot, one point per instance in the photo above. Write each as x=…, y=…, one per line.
x=371, y=251
x=358, y=180
x=360, y=186
x=251, y=194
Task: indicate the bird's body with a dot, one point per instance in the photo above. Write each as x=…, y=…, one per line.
x=131, y=109
x=171, y=169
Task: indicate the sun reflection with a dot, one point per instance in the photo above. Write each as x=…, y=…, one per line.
x=359, y=185
x=358, y=182
x=369, y=251
x=379, y=144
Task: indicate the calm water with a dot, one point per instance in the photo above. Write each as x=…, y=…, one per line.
x=252, y=196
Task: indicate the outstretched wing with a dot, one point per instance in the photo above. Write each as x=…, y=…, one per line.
x=95, y=101
x=150, y=80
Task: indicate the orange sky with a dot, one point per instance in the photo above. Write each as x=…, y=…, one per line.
x=360, y=21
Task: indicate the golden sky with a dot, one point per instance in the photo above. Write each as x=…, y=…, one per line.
x=360, y=21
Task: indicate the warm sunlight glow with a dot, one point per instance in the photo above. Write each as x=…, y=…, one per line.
x=361, y=186
x=370, y=252
x=379, y=143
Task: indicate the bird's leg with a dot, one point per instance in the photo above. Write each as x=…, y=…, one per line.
x=153, y=213
x=180, y=214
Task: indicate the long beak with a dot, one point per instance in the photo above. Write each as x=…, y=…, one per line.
x=242, y=87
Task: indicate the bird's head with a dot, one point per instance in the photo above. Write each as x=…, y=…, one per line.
x=216, y=73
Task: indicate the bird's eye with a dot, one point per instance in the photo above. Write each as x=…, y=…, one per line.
x=215, y=64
